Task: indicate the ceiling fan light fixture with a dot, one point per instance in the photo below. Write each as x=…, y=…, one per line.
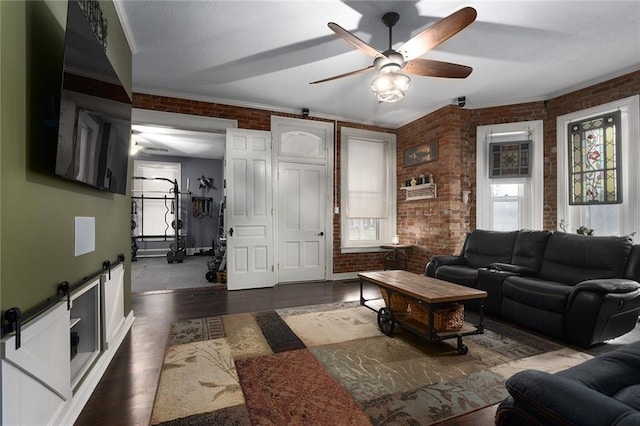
x=390, y=86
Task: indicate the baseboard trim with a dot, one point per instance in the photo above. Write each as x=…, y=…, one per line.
x=344, y=276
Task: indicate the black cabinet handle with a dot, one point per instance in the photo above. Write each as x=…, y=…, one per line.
x=231, y=232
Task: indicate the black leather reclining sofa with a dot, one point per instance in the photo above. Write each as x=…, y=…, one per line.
x=581, y=289
x=604, y=390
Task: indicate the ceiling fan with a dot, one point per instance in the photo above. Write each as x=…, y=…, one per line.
x=391, y=84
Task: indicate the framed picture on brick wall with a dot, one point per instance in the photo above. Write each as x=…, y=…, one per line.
x=421, y=154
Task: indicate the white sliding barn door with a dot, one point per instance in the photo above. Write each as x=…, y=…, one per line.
x=301, y=222
x=249, y=212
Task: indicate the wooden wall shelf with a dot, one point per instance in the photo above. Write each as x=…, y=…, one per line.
x=420, y=192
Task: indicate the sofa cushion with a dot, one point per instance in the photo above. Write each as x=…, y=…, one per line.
x=572, y=258
x=630, y=396
x=482, y=248
x=537, y=293
x=458, y=274
x=529, y=249
x=596, y=373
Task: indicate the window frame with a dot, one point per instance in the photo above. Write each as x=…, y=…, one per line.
x=571, y=217
x=388, y=226
x=522, y=214
x=532, y=216
x=139, y=186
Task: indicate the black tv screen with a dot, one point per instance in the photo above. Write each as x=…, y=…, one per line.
x=94, y=126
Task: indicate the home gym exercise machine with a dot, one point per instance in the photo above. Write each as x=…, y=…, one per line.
x=178, y=245
x=218, y=265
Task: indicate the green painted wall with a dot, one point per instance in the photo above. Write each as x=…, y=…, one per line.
x=37, y=209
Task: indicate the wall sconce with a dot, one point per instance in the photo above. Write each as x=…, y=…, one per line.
x=465, y=196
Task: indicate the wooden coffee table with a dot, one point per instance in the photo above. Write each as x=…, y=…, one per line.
x=427, y=292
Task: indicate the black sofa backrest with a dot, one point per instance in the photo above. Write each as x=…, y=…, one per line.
x=482, y=248
x=632, y=271
x=529, y=249
x=572, y=258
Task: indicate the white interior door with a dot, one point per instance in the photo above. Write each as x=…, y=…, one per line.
x=301, y=222
x=249, y=213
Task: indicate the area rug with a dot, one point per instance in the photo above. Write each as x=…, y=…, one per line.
x=330, y=364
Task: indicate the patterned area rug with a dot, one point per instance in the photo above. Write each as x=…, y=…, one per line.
x=329, y=364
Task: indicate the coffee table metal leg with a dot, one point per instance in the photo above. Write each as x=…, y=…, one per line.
x=385, y=321
x=462, y=349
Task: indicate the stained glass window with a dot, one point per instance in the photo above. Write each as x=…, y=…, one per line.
x=594, y=169
x=509, y=159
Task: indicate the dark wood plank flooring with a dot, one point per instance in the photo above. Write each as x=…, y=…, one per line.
x=127, y=390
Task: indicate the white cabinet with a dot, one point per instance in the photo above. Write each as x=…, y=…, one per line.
x=41, y=382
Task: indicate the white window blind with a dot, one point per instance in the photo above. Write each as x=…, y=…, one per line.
x=367, y=178
x=368, y=183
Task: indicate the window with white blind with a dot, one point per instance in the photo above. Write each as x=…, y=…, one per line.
x=368, y=189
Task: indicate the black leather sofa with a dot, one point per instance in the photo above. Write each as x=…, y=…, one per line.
x=581, y=289
x=604, y=390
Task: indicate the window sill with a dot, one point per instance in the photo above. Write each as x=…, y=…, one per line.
x=362, y=249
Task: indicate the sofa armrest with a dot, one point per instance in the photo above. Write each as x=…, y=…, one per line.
x=515, y=269
x=609, y=285
x=587, y=296
x=557, y=400
x=437, y=261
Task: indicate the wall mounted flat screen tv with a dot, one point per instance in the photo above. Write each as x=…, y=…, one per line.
x=94, y=126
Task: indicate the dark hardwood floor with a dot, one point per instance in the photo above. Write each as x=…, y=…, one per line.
x=127, y=390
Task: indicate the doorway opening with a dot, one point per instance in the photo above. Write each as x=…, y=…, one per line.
x=177, y=194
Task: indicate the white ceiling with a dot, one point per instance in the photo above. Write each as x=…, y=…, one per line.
x=265, y=53
x=168, y=141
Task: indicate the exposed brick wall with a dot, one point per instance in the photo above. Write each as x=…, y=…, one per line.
x=435, y=226
x=99, y=88
x=248, y=118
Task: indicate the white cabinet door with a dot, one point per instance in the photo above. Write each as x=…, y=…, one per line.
x=301, y=222
x=249, y=210
x=35, y=377
x=113, y=304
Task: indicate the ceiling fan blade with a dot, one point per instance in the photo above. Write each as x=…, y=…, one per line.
x=353, y=40
x=431, y=68
x=347, y=74
x=438, y=33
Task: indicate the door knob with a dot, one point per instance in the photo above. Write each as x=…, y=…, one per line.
x=231, y=232
x=321, y=234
